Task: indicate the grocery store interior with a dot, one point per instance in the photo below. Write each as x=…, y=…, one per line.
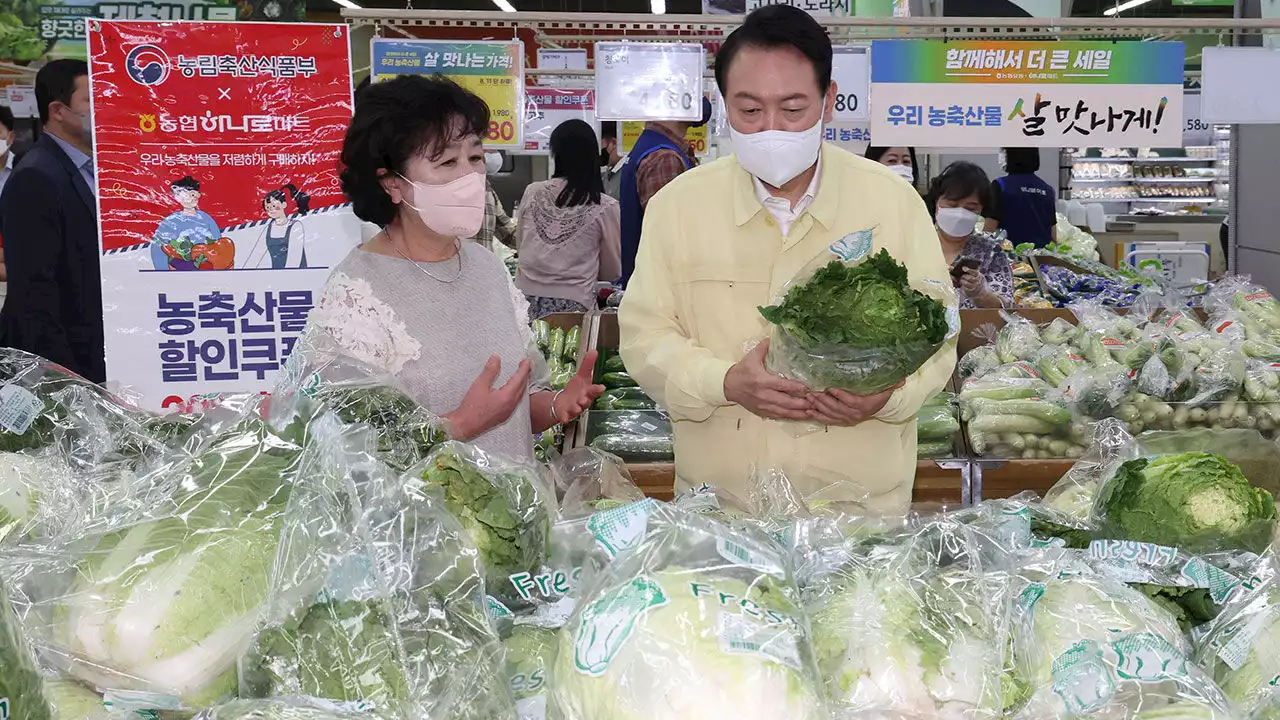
x=1036, y=482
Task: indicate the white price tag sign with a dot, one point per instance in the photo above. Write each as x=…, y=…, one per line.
x=850, y=70
x=562, y=59
x=649, y=81
x=22, y=100
x=1195, y=131
x=546, y=108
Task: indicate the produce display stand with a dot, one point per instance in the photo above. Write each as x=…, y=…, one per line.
x=995, y=478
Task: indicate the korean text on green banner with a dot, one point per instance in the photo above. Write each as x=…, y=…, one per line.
x=33, y=30
x=492, y=69
x=1026, y=94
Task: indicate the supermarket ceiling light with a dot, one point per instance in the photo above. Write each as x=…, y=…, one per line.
x=348, y=4
x=504, y=6
x=1131, y=4
x=658, y=7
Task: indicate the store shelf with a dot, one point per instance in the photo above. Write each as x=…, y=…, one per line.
x=1147, y=181
x=1184, y=201
x=1144, y=161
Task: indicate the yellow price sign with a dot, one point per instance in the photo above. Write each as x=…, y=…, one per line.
x=493, y=70
x=696, y=136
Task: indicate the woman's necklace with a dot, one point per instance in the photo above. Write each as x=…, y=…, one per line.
x=457, y=252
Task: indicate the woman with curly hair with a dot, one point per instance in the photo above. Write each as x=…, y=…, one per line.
x=440, y=315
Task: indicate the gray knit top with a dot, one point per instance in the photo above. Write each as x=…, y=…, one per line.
x=434, y=337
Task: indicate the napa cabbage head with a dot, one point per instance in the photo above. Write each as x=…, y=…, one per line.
x=675, y=643
x=1070, y=627
x=1195, y=501
x=1242, y=651
x=169, y=603
x=924, y=645
x=72, y=701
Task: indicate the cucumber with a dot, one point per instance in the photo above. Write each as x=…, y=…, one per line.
x=614, y=364
x=541, y=331
x=572, y=340
x=636, y=448
x=629, y=422
x=625, y=399
x=560, y=379
x=555, y=343
x=933, y=449
x=614, y=380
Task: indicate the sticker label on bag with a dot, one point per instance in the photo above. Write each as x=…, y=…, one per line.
x=1147, y=657
x=1235, y=653
x=765, y=562
x=19, y=407
x=1219, y=582
x=137, y=700
x=609, y=621
x=1081, y=678
x=532, y=708
x=854, y=246
x=621, y=528
x=740, y=636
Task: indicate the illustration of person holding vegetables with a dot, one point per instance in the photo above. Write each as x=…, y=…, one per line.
x=190, y=239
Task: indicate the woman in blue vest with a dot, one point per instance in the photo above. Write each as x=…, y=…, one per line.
x=1021, y=203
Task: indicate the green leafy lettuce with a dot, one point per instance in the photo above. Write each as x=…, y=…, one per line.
x=1194, y=501
x=406, y=432
x=21, y=691
x=861, y=328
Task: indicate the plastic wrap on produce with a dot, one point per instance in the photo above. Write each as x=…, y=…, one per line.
x=861, y=328
x=506, y=508
x=22, y=694
x=154, y=600
x=290, y=709
x=359, y=393
x=936, y=426
x=1088, y=646
x=910, y=622
x=590, y=480
x=377, y=596
x=1241, y=648
x=1075, y=495
x=531, y=654
x=699, y=619
x=1019, y=339
x=978, y=361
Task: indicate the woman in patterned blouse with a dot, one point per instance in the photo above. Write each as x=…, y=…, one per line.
x=981, y=270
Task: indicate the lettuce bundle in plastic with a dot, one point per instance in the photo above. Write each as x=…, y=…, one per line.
x=861, y=328
x=699, y=619
x=1241, y=648
x=377, y=598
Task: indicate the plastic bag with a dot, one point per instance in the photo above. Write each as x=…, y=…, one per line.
x=506, y=508
x=359, y=393
x=1097, y=392
x=1239, y=648
x=290, y=709
x=377, y=596
x=1089, y=646
x=1238, y=293
x=699, y=619
x=978, y=362
x=590, y=480
x=21, y=687
x=531, y=653
x=158, y=597
x=908, y=622
x=1019, y=339
x=861, y=328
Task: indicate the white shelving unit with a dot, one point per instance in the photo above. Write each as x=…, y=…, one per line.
x=1088, y=174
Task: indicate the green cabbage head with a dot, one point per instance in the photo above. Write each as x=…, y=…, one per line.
x=1195, y=501
x=680, y=644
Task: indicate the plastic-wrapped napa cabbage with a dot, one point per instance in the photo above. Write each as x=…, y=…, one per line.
x=698, y=620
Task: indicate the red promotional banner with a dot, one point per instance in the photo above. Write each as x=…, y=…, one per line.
x=216, y=147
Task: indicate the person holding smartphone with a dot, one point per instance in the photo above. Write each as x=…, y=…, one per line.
x=980, y=270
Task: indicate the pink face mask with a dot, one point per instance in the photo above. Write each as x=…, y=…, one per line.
x=455, y=209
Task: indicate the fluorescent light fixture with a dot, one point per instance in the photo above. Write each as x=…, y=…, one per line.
x=1131, y=4
x=504, y=6
x=348, y=4
x=658, y=7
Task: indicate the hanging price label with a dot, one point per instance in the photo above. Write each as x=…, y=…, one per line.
x=849, y=68
x=649, y=81
x=1195, y=131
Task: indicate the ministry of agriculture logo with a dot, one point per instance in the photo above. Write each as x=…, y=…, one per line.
x=148, y=65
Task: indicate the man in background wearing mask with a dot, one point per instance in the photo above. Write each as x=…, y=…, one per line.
x=729, y=237
x=48, y=218
x=611, y=160
x=497, y=224
x=659, y=156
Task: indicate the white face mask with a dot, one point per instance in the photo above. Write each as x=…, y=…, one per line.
x=4, y=146
x=905, y=172
x=956, y=221
x=492, y=163
x=777, y=156
x=455, y=209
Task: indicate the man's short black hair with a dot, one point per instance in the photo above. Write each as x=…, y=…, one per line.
x=1021, y=161
x=960, y=180
x=6, y=118
x=395, y=121
x=186, y=183
x=775, y=26
x=56, y=82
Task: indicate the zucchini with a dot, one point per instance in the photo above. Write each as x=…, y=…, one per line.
x=614, y=380
x=614, y=364
x=637, y=448
x=555, y=343
x=572, y=340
